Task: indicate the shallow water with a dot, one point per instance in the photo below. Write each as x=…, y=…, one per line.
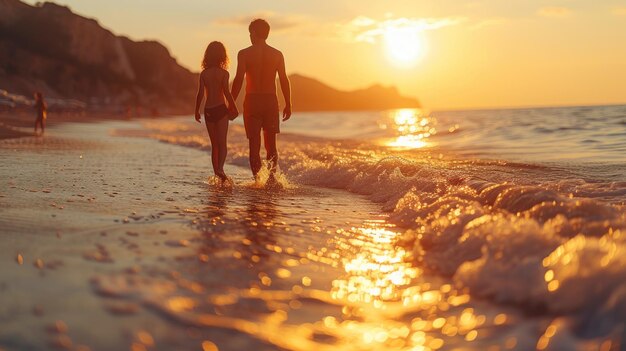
x=368, y=246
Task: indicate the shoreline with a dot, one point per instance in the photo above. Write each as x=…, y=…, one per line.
x=21, y=124
x=129, y=232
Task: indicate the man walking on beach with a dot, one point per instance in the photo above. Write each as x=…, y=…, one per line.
x=260, y=63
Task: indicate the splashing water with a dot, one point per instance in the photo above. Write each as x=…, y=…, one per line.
x=271, y=179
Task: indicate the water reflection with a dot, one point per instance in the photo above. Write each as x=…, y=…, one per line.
x=378, y=270
x=412, y=128
x=387, y=302
x=260, y=223
x=259, y=271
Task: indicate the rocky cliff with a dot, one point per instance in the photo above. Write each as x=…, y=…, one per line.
x=49, y=48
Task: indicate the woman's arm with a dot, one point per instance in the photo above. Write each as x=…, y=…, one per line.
x=229, y=97
x=199, y=98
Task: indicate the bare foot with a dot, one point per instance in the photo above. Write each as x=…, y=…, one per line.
x=272, y=182
x=222, y=176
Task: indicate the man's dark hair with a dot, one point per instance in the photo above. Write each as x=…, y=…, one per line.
x=260, y=28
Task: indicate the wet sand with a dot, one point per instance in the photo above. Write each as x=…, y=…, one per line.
x=16, y=124
x=113, y=242
x=9, y=131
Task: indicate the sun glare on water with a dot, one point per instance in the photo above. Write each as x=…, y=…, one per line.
x=404, y=45
x=412, y=128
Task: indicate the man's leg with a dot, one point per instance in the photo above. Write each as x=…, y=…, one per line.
x=269, y=139
x=254, y=140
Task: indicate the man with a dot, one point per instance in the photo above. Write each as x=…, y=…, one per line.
x=260, y=63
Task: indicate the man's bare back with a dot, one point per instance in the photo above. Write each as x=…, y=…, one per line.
x=261, y=63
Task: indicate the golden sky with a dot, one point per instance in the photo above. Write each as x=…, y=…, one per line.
x=449, y=54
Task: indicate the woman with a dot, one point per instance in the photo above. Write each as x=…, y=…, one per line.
x=214, y=86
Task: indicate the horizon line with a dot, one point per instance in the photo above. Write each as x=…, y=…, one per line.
x=524, y=107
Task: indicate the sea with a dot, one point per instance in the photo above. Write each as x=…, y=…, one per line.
x=588, y=140
x=519, y=207
x=385, y=230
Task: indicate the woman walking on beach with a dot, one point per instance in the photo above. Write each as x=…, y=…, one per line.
x=41, y=109
x=214, y=86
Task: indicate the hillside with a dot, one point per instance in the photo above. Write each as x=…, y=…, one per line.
x=312, y=95
x=66, y=56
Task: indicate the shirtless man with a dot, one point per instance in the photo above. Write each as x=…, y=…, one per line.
x=259, y=63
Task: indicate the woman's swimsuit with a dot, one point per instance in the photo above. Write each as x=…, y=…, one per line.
x=215, y=113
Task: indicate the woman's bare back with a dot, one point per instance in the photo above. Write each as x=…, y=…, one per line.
x=213, y=81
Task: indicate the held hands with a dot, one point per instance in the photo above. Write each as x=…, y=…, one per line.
x=286, y=112
x=233, y=112
x=198, y=117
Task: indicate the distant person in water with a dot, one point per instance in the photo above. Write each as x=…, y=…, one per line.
x=259, y=64
x=214, y=86
x=41, y=110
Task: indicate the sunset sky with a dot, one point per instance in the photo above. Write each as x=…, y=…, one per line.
x=450, y=54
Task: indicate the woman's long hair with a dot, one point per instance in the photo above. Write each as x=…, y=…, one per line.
x=215, y=56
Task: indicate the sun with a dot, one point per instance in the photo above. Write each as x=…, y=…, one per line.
x=404, y=45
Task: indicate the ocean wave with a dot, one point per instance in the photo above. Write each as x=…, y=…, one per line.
x=552, y=246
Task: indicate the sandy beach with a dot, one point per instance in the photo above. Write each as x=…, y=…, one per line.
x=15, y=124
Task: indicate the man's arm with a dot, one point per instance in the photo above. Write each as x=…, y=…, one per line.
x=285, y=86
x=199, y=97
x=241, y=72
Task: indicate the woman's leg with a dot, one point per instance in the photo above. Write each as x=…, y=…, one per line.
x=212, y=129
x=222, y=135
